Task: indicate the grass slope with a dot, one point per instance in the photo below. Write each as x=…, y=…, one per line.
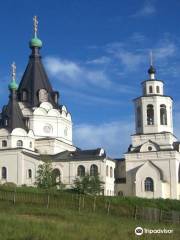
x=27, y=222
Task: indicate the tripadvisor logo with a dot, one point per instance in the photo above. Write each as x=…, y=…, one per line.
x=139, y=231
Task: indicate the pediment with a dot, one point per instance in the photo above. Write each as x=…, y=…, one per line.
x=149, y=146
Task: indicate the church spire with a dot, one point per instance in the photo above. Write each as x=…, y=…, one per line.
x=11, y=115
x=35, y=86
x=151, y=70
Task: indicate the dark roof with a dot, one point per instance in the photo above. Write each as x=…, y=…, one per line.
x=11, y=114
x=119, y=159
x=34, y=79
x=69, y=156
x=80, y=155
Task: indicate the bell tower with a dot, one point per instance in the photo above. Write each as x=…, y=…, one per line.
x=153, y=110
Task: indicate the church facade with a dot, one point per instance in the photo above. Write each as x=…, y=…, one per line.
x=151, y=166
x=34, y=125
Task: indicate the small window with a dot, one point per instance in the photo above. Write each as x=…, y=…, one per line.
x=4, y=173
x=93, y=170
x=81, y=171
x=107, y=170
x=111, y=172
x=30, y=144
x=149, y=148
x=29, y=173
x=19, y=143
x=149, y=185
x=43, y=95
x=157, y=89
x=6, y=122
x=4, y=143
x=150, y=89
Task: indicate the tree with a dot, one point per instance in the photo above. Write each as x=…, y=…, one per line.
x=88, y=185
x=46, y=177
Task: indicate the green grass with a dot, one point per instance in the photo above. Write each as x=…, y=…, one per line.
x=29, y=222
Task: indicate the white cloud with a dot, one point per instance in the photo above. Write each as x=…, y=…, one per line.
x=114, y=137
x=165, y=50
x=130, y=60
x=147, y=10
x=72, y=73
x=88, y=99
x=100, y=60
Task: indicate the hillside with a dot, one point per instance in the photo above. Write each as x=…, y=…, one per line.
x=27, y=222
x=30, y=214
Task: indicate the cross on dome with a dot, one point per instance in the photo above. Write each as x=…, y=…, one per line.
x=35, y=23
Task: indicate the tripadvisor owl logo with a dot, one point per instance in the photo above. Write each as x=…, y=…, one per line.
x=139, y=231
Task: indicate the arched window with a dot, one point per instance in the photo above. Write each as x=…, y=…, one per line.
x=19, y=143
x=4, y=173
x=56, y=175
x=111, y=172
x=4, y=143
x=29, y=173
x=149, y=185
x=93, y=170
x=150, y=89
x=139, y=116
x=81, y=171
x=150, y=114
x=157, y=89
x=107, y=171
x=163, y=114
x=24, y=95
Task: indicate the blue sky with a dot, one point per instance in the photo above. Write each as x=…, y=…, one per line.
x=96, y=54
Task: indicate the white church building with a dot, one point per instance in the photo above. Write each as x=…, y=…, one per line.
x=151, y=167
x=34, y=124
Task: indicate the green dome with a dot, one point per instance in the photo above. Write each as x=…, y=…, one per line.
x=35, y=42
x=13, y=86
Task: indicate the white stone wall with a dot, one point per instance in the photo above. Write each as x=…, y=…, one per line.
x=18, y=164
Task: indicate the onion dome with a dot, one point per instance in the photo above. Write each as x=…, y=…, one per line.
x=151, y=70
x=35, y=41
